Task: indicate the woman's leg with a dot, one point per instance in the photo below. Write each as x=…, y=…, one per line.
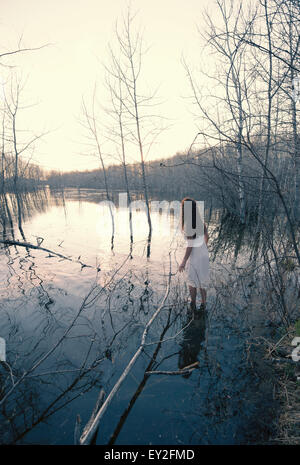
x=193, y=294
x=203, y=295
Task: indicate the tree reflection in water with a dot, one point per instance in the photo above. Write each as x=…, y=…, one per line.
x=60, y=355
x=192, y=338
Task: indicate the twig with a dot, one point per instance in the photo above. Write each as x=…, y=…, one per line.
x=182, y=371
x=20, y=50
x=77, y=429
x=7, y=366
x=32, y=246
x=287, y=396
x=37, y=247
x=98, y=405
x=171, y=337
x=277, y=343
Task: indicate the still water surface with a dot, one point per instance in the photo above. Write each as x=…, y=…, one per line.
x=223, y=401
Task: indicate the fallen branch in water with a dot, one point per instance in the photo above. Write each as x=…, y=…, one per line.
x=172, y=337
x=182, y=371
x=88, y=425
x=93, y=423
x=27, y=245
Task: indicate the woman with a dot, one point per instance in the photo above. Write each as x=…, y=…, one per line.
x=196, y=259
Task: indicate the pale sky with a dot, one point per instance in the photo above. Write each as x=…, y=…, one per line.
x=59, y=75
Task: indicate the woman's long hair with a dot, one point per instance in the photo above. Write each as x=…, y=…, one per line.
x=195, y=223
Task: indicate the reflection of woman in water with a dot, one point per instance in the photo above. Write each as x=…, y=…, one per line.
x=196, y=259
x=193, y=337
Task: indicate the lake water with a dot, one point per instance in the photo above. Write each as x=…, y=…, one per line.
x=223, y=401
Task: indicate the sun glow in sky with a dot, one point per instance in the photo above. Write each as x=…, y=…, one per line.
x=78, y=32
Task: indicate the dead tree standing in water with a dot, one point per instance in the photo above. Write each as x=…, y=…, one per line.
x=119, y=134
x=127, y=68
x=92, y=127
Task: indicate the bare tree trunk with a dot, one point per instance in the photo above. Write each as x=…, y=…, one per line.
x=3, y=155
x=294, y=54
x=233, y=82
x=16, y=152
x=134, y=75
x=269, y=94
x=92, y=127
x=124, y=164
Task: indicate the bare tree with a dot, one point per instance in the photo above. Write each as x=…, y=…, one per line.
x=119, y=134
x=91, y=125
x=127, y=69
x=228, y=118
x=12, y=108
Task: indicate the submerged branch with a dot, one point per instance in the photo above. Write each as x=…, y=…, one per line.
x=93, y=423
x=182, y=371
x=27, y=245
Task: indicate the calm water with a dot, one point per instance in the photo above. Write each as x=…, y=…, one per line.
x=223, y=401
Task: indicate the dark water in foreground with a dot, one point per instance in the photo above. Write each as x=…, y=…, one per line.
x=226, y=400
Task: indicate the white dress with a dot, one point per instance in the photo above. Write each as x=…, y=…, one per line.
x=197, y=267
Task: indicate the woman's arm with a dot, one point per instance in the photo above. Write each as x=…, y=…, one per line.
x=185, y=259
